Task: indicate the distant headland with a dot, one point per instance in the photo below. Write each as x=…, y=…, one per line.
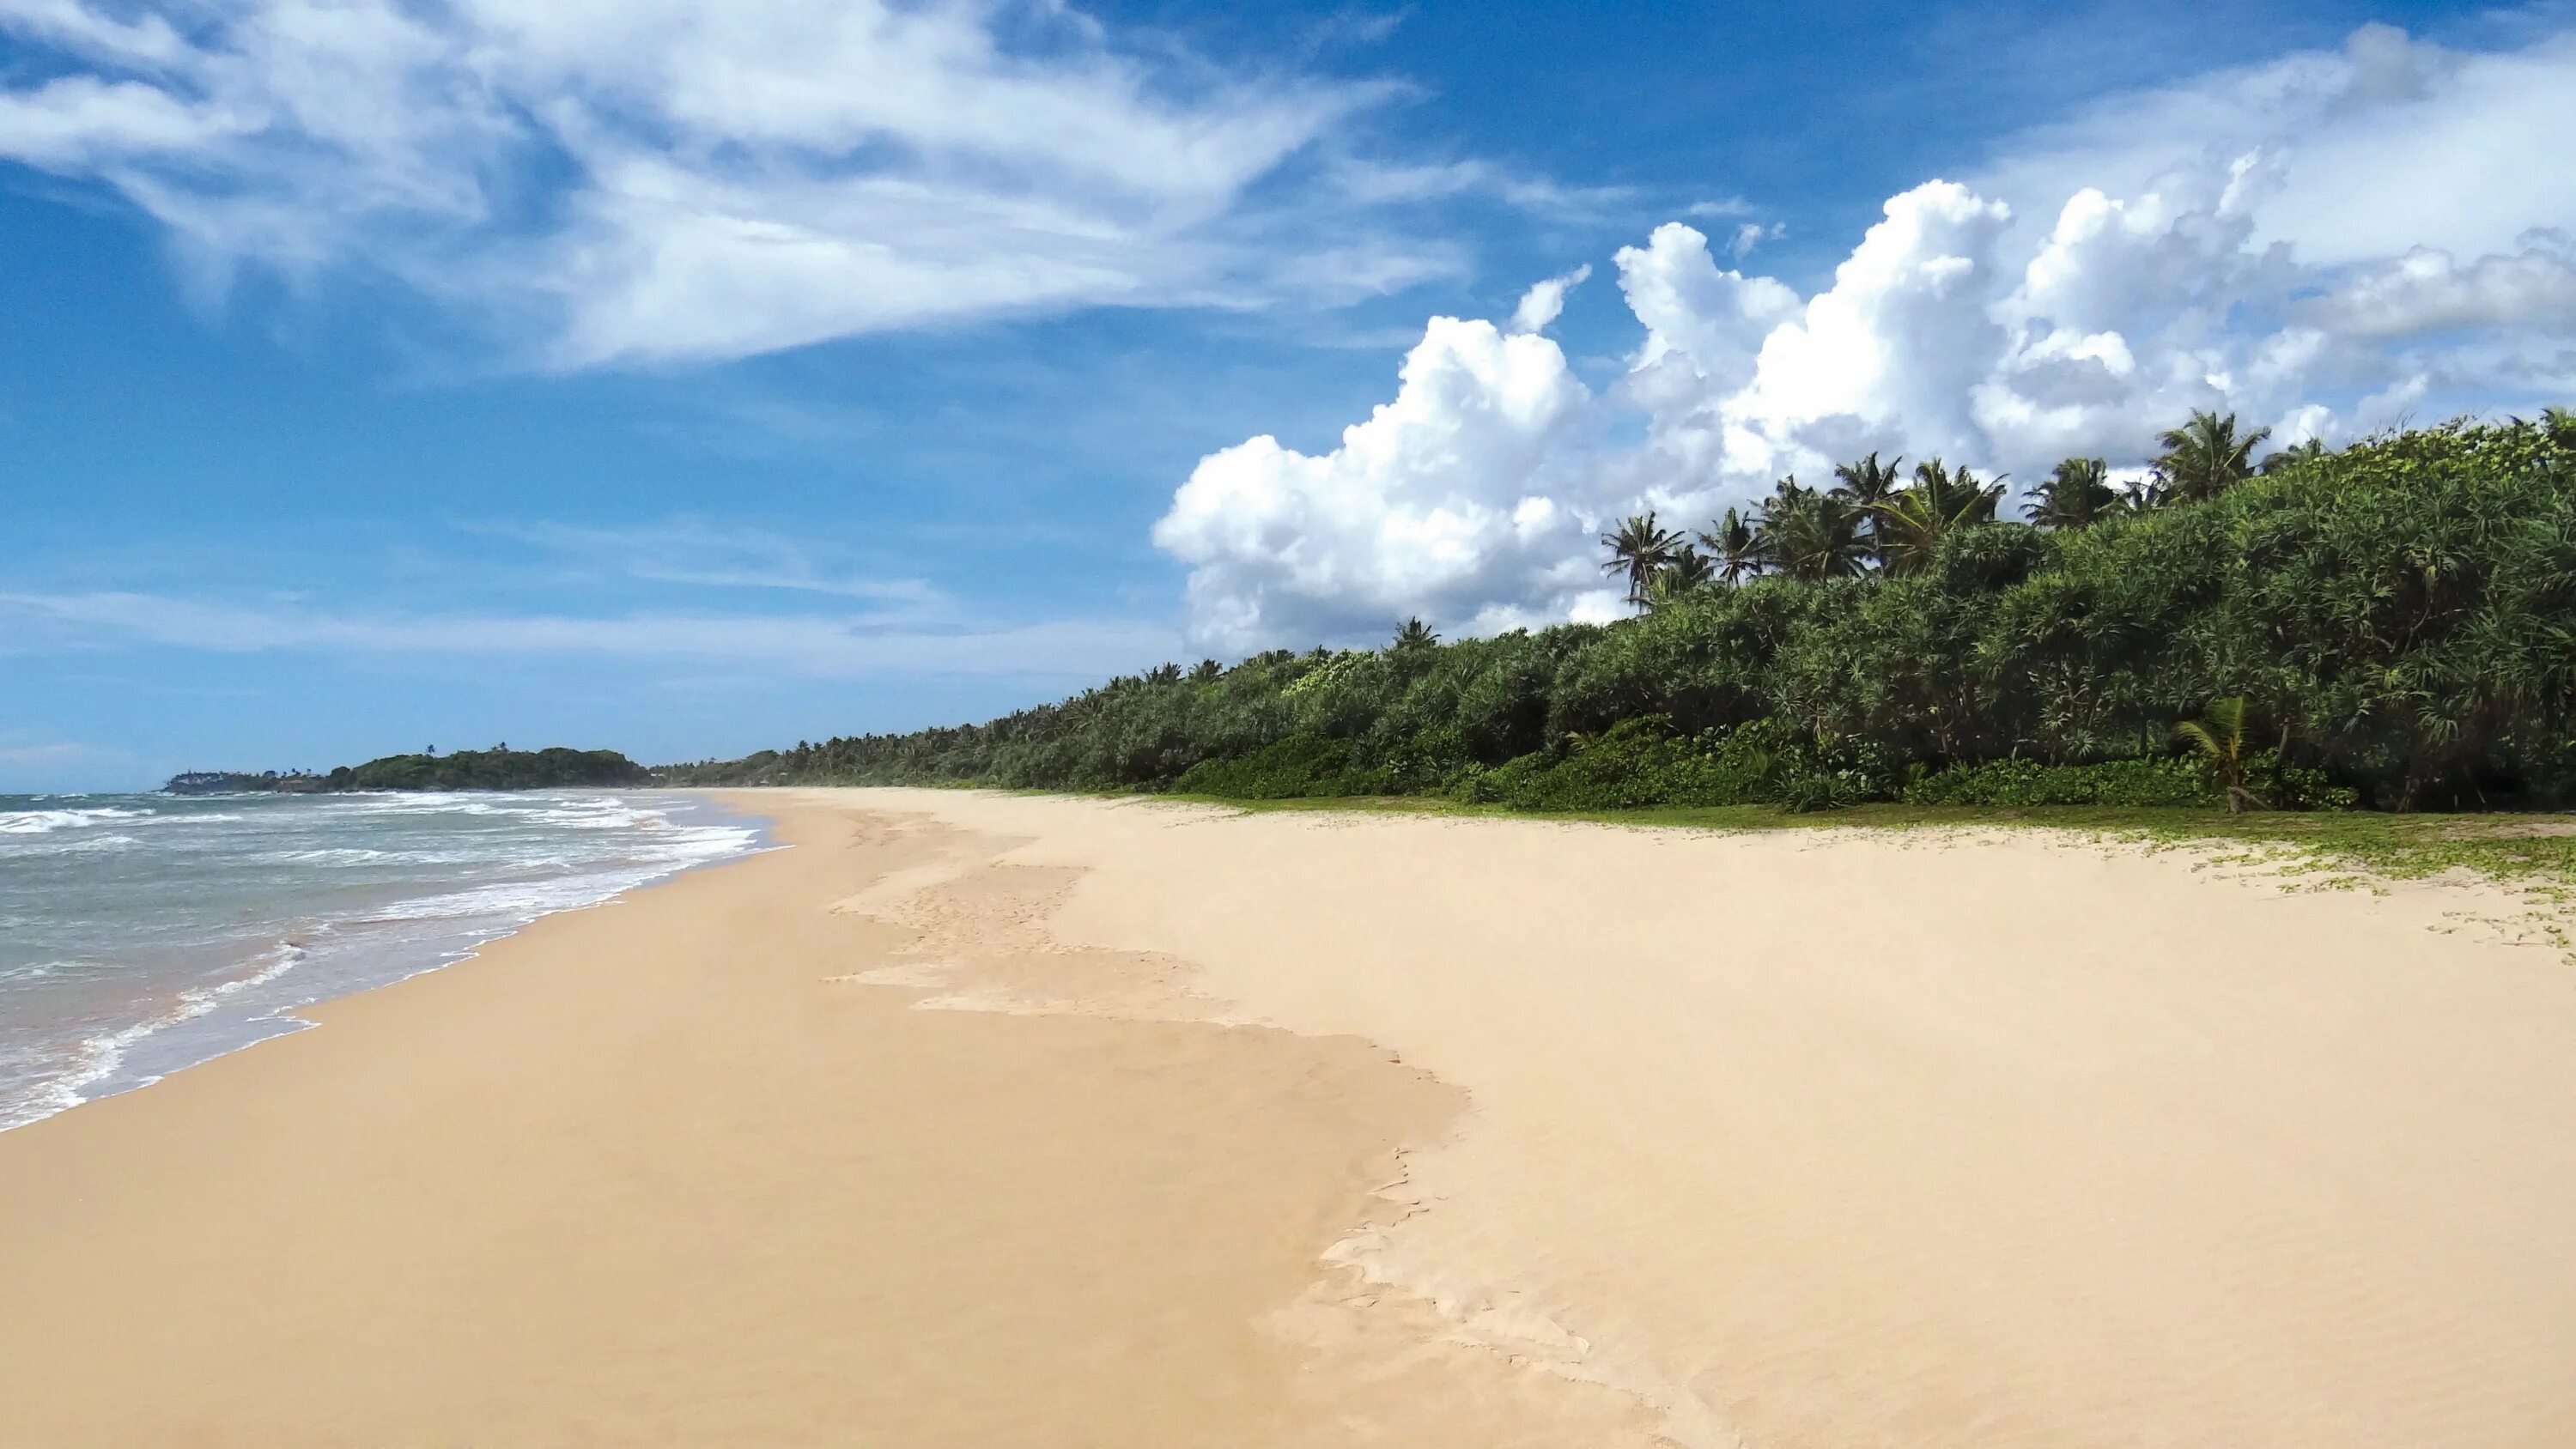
x=498, y=768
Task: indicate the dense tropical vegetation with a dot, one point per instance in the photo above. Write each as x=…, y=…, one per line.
x=2391, y=625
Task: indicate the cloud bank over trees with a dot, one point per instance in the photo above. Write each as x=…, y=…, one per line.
x=2326, y=245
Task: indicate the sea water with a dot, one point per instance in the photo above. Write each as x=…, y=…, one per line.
x=144, y=933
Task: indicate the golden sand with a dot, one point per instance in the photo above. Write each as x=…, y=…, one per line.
x=976, y=1119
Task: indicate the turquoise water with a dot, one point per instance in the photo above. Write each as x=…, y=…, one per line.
x=140, y=934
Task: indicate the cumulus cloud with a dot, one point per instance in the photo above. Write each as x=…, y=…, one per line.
x=2324, y=244
x=699, y=179
x=2429, y=291
x=1446, y=501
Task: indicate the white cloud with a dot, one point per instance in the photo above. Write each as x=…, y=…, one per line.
x=2325, y=244
x=703, y=554
x=663, y=179
x=74, y=26
x=1720, y=208
x=1544, y=302
x=2385, y=144
x=78, y=122
x=2428, y=291
x=1444, y=502
x=1715, y=319
x=1753, y=234
x=1893, y=345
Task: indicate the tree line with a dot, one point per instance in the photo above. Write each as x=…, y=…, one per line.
x=2392, y=625
x=1875, y=517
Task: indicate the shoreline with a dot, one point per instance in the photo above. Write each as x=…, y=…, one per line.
x=103, y=1056
x=1085, y=1121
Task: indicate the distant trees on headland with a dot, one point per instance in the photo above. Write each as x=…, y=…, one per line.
x=498, y=768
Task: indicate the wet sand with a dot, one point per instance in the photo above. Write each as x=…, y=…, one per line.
x=1007, y=1120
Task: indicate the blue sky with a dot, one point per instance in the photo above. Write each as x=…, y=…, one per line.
x=687, y=377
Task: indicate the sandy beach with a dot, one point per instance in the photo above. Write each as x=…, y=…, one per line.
x=998, y=1120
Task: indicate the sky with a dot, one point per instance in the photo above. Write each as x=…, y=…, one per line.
x=692, y=376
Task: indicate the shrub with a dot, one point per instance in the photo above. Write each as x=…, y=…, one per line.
x=2171, y=780
x=1298, y=767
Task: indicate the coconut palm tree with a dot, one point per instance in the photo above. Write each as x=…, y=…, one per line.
x=1206, y=671
x=1864, y=485
x=1941, y=501
x=1687, y=570
x=2204, y=457
x=1414, y=635
x=1638, y=547
x=1810, y=534
x=1736, y=547
x=1867, y=481
x=2560, y=425
x=2219, y=736
x=2293, y=455
x=2078, y=494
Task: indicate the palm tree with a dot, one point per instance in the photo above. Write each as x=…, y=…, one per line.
x=2560, y=425
x=2204, y=457
x=1206, y=671
x=1941, y=502
x=1867, y=481
x=1736, y=547
x=2293, y=455
x=1638, y=547
x=1163, y=674
x=2078, y=494
x=1414, y=635
x=1812, y=535
x=2219, y=735
x=1864, y=485
x=1688, y=569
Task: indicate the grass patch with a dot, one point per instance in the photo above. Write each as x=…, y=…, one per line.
x=2533, y=852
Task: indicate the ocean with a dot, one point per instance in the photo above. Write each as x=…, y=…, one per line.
x=140, y=934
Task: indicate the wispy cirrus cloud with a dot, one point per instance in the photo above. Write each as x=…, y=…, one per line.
x=699, y=553
x=58, y=754
x=819, y=645
x=701, y=179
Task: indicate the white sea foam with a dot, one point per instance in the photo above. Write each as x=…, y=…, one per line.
x=45, y=822
x=526, y=900
x=102, y=1056
x=29, y=845
x=39, y=970
x=115, y=962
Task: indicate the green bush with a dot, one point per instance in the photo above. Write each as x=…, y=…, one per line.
x=1645, y=761
x=1298, y=767
x=2171, y=780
